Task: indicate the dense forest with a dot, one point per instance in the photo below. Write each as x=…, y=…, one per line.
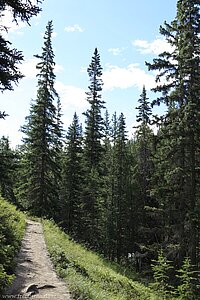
x=135, y=201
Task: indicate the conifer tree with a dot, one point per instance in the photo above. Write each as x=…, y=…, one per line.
x=144, y=141
x=106, y=190
x=148, y=214
x=9, y=72
x=111, y=214
x=10, y=58
x=161, y=268
x=186, y=289
x=121, y=196
x=7, y=170
x=179, y=137
x=94, y=120
x=72, y=180
x=119, y=205
x=93, y=153
x=22, y=179
x=42, y=140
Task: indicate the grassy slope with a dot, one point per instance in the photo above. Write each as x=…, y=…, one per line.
x=12, y=228
x=87, y=274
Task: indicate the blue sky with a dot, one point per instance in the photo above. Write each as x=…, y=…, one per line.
x=126, y=34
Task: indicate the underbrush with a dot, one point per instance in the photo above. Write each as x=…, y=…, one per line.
x=12, y=228
x=88, y=275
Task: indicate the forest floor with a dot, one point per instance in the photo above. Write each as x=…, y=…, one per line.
x=35, y=275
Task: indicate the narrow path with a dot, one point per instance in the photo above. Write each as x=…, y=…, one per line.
x=35, y=275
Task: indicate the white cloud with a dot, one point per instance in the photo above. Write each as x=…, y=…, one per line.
x=71, y=96
x=116, y=51
x=28, y=68
x=126, y=77
x=74, y=28
x=155, y=47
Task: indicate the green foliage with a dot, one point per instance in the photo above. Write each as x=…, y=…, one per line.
x=144, y=109
x=178, y=151
x=94, y=121
x=120, y=200
x=149, y=221
x=186, y=288
x=5, y=279
x=161, y=269
x=43, y=133
x=7, y=170
x=88, y=275
x=12, y=227
x=93, y=155
x=72, y=180
x=119, y=197
x=9, y=72
x=11, y=58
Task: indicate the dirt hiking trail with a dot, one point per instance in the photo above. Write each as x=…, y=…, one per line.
x=35, y=275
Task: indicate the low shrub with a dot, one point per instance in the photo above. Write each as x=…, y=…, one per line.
x=12, y=227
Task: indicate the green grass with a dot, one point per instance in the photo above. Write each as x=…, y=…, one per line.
x=12, y=228
x=88, y=275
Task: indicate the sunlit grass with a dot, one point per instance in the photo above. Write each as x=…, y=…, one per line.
x=88, y=275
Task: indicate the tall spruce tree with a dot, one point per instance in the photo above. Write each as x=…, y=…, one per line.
x=106, y=191
x=72, y=180
x=111, y=235
x=119, y=205
x=121, y=200
x=148, y=214
x=94, y=120
x=179, y=138
x=93, y=153
x=144, y=138
x=42, y=138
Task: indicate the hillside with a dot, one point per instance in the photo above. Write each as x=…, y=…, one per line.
x=81, y=274
x=88, y=275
